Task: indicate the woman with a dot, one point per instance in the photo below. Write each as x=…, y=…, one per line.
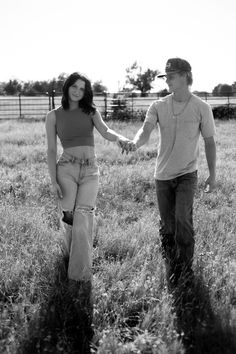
x=75, y=176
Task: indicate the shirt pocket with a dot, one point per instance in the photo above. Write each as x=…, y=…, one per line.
x=190, y=129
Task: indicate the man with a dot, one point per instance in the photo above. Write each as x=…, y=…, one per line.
x=181, y=117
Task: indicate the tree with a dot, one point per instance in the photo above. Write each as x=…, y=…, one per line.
x=2, y=85
x=139, y=79
x=98, y=87
x=223, y=90
x=226, y=90
x=60, y=82
x=12, y=87
x=215, y=91
x=27, y=89
x=32, y=88
x=40, y=87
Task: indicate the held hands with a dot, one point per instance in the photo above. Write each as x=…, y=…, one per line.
x=126, y=145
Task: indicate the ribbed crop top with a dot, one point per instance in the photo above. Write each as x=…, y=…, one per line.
x=74, y=128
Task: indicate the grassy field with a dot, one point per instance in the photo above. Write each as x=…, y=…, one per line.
x=133, y=310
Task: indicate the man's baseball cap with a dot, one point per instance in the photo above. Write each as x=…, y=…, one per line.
x=176, y=65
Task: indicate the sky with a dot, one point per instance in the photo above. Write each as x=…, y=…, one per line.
x=101, y=38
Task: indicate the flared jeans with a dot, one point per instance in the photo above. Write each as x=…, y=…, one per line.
x=78, y=180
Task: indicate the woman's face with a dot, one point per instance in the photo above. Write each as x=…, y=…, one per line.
x=76, y=91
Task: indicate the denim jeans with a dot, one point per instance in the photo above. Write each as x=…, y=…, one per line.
x=175, y=201
x=78, y=179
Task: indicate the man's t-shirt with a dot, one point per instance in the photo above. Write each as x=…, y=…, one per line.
x=178, y=148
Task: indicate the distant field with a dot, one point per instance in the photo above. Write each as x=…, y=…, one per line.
x=133, y=310
x=39, y=106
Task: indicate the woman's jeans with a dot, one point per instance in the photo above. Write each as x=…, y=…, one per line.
x=78, y=179
x=175, y=201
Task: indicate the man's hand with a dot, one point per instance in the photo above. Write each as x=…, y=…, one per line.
x=210, y=184
x=57, y=190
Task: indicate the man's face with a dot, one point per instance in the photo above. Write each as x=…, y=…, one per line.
x=175, y=81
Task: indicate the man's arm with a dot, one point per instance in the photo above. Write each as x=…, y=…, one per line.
x=143, y=134
x=140, y=138
x=210, y=151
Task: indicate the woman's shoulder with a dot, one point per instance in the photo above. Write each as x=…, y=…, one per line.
x=95, y=111
x=51, y=115
x=95, y=114
x=55, y=111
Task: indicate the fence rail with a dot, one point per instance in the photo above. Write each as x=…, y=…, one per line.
x=38, y=106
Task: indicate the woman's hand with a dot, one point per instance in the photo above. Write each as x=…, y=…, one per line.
x=126, y=145
x=121, y=141
x=56, y=189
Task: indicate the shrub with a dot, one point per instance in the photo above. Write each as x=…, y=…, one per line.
x=119, y=110
x=224, y=112
x=126, y=114
x=140, y=114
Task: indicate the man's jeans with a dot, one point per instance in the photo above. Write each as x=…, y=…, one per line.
x=175, y=201
x=79, y=181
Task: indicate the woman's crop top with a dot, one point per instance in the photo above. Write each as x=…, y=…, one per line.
x=74, y=128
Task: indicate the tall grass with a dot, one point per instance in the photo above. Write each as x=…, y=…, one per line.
x=134, y=312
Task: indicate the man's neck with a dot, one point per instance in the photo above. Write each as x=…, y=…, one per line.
x=181, y=95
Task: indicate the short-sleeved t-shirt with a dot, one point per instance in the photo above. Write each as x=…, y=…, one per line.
x=178, y=148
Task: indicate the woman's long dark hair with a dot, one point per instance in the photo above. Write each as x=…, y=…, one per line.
x=86, y=104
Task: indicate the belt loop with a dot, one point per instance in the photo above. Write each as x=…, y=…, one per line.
x=80, y=161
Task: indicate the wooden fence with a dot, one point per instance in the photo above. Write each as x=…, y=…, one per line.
x=38, y=106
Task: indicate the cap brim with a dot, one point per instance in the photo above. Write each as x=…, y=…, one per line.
x=161, y=75
x=170, y=72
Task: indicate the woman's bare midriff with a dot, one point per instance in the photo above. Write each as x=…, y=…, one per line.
x=81, y=152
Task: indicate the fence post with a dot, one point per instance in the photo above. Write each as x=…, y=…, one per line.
x=228, y=105
x=20, y=105
x=53, y=101
x=49, y=101
x=105, y=104
x=132, y=100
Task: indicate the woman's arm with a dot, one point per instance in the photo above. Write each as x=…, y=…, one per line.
x=52, y=150
x=105, y=131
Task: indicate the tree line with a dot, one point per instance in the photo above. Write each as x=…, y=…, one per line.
x=137, y=79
